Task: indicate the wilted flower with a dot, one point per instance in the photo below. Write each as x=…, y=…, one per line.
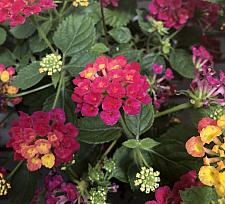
x=112, y=84
x=43, y=139
x=147, y=179
x=160, y=87
x=51, y=64
x=16, y=11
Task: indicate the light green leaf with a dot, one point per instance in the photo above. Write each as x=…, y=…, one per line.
x=55, y=78
x=99, y=48
x=199, y=194
x=23, y=31
x=148, y=143
x=28, y=76
x=121, y=35
x=132, y=143
x=181, y=61
x=75, y=34
x=2, y=36
x=141, y=123
x=94, y=131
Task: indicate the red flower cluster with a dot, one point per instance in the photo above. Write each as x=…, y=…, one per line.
x=16, y=11
x=174, y=13
x=111, y=83
x=43, y=139
x=108, y=2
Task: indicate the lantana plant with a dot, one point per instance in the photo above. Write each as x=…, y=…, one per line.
x=112, y=101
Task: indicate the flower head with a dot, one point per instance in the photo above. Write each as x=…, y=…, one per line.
x=98, y=195
x=147, y=179
x=43, y=139
x=195, y=147
x=83, y=3
x=108, y=85
x=210, y=132
x=4, y=186
x=51, y=64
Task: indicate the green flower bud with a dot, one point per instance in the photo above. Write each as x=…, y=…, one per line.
x=51, y=64
x=147, y=180
x=109, y=165
x=95, y=175
x=98, y=195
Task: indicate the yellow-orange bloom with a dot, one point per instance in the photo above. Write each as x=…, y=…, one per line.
x=43, y=146
x=209, y=133
x=48, y=160
x=29, y=152
x=221, y=122
x=220, y=184
x=77, y=3
x=208, y=175
x=12, y=90
x=195, y=147
x=5, y=76
x=34, y=164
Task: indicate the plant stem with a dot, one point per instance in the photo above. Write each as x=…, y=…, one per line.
x=42, y=34
x=14, y=170
x=5, y=118
x=103, y=23
x=31, y=91
x=174, y=109
x=58, y=90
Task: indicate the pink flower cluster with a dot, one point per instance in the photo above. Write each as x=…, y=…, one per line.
x=207, y=87
x=174, y=13
x=164, y=195
x=160, y=86
x=57, y=191
x=110, y=83
x=16, y=11
x=43, y=139
x=106, y=3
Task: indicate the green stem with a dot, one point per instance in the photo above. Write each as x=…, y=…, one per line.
x=103, y=23
x=175, y=33
x=58, y=89
x=174, y=109
x=142, y=158
x=42, y=34
x=14, y=170
x=31, y=91
x=6, y=117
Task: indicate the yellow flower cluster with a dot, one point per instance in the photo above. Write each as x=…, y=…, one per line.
x=212, y=143
x=83, y=3
x=4, y=186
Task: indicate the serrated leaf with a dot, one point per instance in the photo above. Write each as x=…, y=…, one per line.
x=199, y=194
x=79, y=61
x=99, y=48
x=23, y=31
x=121, y=35
x=122, y=158
x=94, y=131
x=181, y=61
x=2, y=36
x=28, y=76
x=148, y=143
x=141, y=123
x=75, y=34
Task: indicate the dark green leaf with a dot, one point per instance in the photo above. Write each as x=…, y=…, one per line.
x=131, y=55
x=28, y=76
x=37, y=44
x=181, y=61
x=141, y=123
x=99, y=48
x=7, y=58
x=94, y=131
x=23, y=31
x=198, y=194
x=75, y=34
x=2, y=36
x=121, y=35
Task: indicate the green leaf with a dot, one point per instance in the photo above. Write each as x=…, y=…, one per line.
x=79, y=61
x=23, y=31
x=75, y=34
x=148, y=143
x=123, y=159
x=94, y=131
x=181, y=61
x=121, y=35
x=144, y=25
x=132, y=143
x=55, y=78
x=131, y=55
x=28, y=76
x=141, y=123
x=7, y=58
x=37, y=44
x=198, y=194
x=99, y=48
x=2, y=36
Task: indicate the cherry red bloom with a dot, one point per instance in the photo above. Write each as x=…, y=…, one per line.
x=43, y=139
x=16, y=11
x=110, y=85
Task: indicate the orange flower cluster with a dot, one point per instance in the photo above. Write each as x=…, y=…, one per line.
x=210, y=144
